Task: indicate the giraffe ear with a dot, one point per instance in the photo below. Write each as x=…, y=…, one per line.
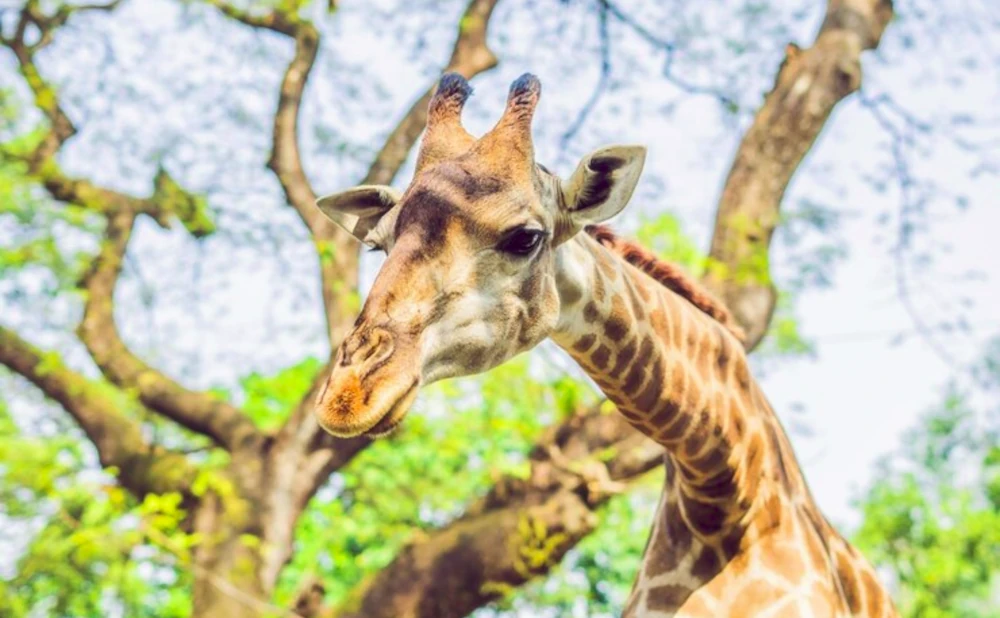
x=603, y=183
x=359, y=210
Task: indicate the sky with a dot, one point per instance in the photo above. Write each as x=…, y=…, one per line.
x=222, y=310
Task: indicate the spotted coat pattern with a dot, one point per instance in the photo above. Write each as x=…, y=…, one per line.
x=736, y=532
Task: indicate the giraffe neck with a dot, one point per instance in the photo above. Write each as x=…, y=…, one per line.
x=682, y=379
x=677, y=375
x=736, y=531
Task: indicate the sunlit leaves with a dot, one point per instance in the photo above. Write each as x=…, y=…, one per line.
x=38, y=237
x=784, y=337
x=269, y=399
x=172, y=199
x=665, y=236
x=94, y=549
x=595, y=577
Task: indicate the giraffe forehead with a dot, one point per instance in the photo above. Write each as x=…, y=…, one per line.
x=428, y=213
x=484, y=207
x=471, y=184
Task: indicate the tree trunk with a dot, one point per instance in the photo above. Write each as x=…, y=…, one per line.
x=227, y=562
x=809, y=84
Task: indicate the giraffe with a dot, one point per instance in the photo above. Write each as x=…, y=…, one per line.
x=487, y=254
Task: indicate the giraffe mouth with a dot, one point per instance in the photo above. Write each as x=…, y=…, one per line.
x=346, y=407
x=393, y=418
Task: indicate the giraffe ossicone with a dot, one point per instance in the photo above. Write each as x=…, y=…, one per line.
x=488, y=254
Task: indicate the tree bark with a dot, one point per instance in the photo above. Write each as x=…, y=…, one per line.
x=199, y=412
x=519, y=530
x=809, y=84
x=144, y=468
x=227, y=564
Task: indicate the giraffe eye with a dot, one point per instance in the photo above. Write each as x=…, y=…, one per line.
x=522, y=241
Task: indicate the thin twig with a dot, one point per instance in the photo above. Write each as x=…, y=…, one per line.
x=670, y=50
x=908, y=204
x=602, y=81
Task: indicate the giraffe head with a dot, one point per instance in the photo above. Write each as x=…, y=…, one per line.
x=469, y=279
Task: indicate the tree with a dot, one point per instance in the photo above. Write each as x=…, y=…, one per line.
x=933, y=516
x=236, y=492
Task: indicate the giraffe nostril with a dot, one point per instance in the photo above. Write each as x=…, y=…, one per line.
x=344, y=355
x=382, y=345
x=368, y=348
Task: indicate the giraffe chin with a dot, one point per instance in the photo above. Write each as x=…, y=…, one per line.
x=392, y=419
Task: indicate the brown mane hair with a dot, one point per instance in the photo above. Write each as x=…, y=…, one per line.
x=669, y=275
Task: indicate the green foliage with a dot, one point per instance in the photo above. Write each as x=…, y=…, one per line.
x=807, y=233
x=192, y=210
x=269, y=399
x=38, y=237
x=784, y=336
x=933, y=517
x=665, y=236
x=95, y=546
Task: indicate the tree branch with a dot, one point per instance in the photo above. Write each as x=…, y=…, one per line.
x=143, y=468
x=31, y=13
x=303, y=456
x=669, y=50
x=470, y=57
x=200, y=412
x=809, y=84
x=520, y=530
x=338, y=267
x=41, y=158
x=276, y=20
x=60, y=126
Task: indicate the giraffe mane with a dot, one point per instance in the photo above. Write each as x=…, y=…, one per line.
x=669, y=275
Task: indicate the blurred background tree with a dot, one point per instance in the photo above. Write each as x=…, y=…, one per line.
x=933, y=515
x=168, y=306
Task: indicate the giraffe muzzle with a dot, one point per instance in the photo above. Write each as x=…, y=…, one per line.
x=371, y=387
